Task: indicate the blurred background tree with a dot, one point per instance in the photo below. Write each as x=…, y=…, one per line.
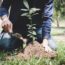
x=59, y=10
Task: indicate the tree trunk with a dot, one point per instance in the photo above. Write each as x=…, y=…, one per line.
x=57, y=23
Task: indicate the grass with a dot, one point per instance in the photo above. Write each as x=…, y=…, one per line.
x=58, y=60
x=57, y=31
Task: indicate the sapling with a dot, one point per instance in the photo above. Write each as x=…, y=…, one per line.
x=30, y=12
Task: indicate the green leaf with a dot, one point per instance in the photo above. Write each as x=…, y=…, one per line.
x=30, y=32
x=34, y=27
x=29, y=28
x=29, y=25
x=24, y=9
x=35, y=13
x=34, y=33
x=33, y=10
x=24, y=14
x=33, y=24
x=26, y=4
x=29, y=35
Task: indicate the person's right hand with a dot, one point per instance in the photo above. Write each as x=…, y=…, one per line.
x=6, y=24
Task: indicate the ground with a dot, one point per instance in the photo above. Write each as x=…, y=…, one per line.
x=15, y=58
x=58, y=33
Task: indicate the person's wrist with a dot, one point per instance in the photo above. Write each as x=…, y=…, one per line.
x=4, y=18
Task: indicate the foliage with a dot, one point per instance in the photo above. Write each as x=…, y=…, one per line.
x=59, y=10
x=29, y=12
x=59, y=6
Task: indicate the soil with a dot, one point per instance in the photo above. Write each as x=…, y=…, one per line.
x=35, y=50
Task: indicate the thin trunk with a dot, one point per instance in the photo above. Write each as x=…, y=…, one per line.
x=57, y=23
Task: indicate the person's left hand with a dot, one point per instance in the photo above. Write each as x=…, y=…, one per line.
x=45, y=45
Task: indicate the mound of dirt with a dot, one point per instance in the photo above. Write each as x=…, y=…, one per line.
x=34, y=49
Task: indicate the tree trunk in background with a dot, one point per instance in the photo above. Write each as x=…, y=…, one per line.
x=57, y=23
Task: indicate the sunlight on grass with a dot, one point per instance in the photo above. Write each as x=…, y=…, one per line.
x=57, y=31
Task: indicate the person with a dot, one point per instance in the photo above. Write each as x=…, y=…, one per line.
x=17, y=23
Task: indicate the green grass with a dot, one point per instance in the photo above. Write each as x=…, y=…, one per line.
x=57, y=31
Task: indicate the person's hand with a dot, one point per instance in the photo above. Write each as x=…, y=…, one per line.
x=0, y=23
x=6, y=24
x=45, y=45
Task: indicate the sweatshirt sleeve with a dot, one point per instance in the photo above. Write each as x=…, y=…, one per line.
x=4, y=7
